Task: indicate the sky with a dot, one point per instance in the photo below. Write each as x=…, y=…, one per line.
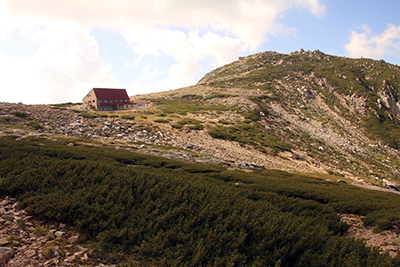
x=54, y=51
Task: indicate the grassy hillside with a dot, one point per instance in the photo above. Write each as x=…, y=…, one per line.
x=152, y=211
x=364, y=78
x=327, y=112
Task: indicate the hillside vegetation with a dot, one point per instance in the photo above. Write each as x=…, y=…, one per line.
x=148, y=210
x=325, y=112
x=240, y=169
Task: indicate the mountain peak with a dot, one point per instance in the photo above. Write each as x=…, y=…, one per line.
x=336, y=113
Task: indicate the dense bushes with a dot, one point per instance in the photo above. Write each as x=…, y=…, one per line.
x=35, y=125
x=250, y=135
x=184, y=105
x=184, y=214
x=161, y=121
x=384, y=127
x=127, y=117
x=191, y=124
x=19, y=114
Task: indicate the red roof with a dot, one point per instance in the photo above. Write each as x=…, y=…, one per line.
x=111, y=94
x=123, y=103
x=115, y=103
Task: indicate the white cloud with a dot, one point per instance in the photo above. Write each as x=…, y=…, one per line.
x=148, y=73
x=374, y=46
x=65, y=65
x=250, y=21
x=19, y=80
x=314, y=6
x=67, y=60
x=186, y=49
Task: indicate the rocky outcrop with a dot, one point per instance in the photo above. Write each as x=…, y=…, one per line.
x=385, y=241
x=27, y=241
x=390, y=102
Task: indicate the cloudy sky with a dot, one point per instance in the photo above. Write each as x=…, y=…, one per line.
x=55, y=51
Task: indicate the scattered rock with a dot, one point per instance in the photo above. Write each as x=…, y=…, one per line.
x=2, y=211
x=15, y=131
x=30, y=253
x=5, y=255
x=386, y=241
x=28, y=246
x=4, y=241
x=70, y=258
x=19, y=132
x=59, y=234
x=73, y=239
x=5, y=202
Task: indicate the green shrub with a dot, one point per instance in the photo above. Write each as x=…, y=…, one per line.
x=182, y=214
x=177, y=126
x=92, y=115
x=183, y=106
x=224, y=122
x=220, y=96
x=192, y=96
x=7, y=120
x=196, y=127
x=19, y=114
x=191, y=124
x=68, y=104
x=250, y=135
x=35, y=125
x=128, y=117
x=161, y=121
x=250, y=116
x=384, y=128
x=188, y=121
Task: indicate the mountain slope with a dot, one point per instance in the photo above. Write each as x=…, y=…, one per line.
x=334, y=118
x=325, y=113
x=301, y=112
